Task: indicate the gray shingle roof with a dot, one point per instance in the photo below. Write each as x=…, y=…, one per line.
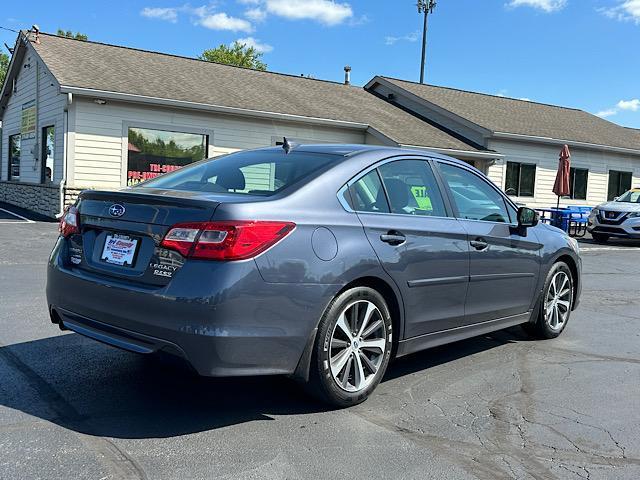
x=125, y=70
x=508, y=115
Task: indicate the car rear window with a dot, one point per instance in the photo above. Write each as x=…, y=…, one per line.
x=257, y=172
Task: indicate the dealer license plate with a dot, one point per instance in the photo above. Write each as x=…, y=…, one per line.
x=119, y=250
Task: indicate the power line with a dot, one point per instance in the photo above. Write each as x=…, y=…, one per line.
x=10, y=29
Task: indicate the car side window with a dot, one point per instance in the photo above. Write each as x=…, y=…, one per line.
x=473, y=197
x=412, y=188
x=367, y=194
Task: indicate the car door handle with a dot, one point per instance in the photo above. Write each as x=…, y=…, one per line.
x=479, y=244
x=393, y=238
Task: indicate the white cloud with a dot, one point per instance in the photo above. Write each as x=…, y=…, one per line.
x=607, y=113
x=168, y=14
x=204, y=15
x=628, y=105
x=410, y=37
x=222, y=21
x=632, y=105
x=252, y=42
x=544, y=5
x=327, y=12
x=256, y=14
x=628, y=10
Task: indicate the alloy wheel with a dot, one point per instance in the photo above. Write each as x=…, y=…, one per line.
x=358, y=344
x=558, y=301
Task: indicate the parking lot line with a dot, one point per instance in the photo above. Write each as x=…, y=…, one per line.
x=609, y=249
x=25, y=219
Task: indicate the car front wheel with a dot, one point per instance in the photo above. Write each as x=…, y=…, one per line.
x=352, y=348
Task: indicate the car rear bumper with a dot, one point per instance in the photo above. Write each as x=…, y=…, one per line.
x=227, y=323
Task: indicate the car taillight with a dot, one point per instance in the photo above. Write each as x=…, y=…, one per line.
x=70, y=222
x=225, y=240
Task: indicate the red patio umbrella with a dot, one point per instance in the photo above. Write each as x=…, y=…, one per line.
x=561, y=187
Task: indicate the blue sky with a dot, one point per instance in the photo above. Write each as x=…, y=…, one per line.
x=579, y=53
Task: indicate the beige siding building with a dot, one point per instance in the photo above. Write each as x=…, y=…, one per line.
x=117, y=116
x=528, y=136
x=81, y=115
x=598, y=163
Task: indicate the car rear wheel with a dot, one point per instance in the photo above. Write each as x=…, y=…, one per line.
x=352, y=348
x=600, y=237
x=555, y=303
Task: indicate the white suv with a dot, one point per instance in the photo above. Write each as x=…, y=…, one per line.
x=620, y=218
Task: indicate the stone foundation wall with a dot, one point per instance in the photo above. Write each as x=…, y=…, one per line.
x=42, y=199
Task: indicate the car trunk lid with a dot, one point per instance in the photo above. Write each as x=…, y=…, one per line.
x=120, y=232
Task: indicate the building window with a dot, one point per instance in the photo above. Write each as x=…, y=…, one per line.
x=14, y=157
x=48, y=151
x=153, y=152
x=521, y=179
x=619, y=182
x=578, y=178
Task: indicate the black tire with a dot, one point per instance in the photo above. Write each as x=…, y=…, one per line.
x=322, y=383
x=600, y=237
x=542, y=327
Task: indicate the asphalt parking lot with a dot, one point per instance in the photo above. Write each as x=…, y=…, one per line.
x=499, y=406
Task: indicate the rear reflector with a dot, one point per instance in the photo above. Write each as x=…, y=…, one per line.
x=70, y=222
x=227, y=240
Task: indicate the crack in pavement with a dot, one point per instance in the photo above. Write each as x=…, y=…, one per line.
x=473, y=456
x=596, y=356
x=506, y=443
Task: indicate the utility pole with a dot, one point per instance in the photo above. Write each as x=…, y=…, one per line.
x=425, y=7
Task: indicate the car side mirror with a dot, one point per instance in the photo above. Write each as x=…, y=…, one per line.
x=527, y=217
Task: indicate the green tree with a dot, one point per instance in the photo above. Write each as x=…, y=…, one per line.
x=70, y=34
x=4, y=66
x=237, y=54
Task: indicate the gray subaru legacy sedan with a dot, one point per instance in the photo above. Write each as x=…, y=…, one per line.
x=321, y=262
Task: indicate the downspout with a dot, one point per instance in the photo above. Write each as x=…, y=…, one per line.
x=65, y=153
x=38, y=153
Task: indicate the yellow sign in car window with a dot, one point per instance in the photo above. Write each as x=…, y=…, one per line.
x=422, y=197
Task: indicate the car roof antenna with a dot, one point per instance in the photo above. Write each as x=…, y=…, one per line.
x=288, y=146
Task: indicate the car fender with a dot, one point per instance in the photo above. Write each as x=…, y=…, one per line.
x=302, y=369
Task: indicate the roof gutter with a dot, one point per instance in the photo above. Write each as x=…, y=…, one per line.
x=458, y=153
x=571, y=143
x=130, y=97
